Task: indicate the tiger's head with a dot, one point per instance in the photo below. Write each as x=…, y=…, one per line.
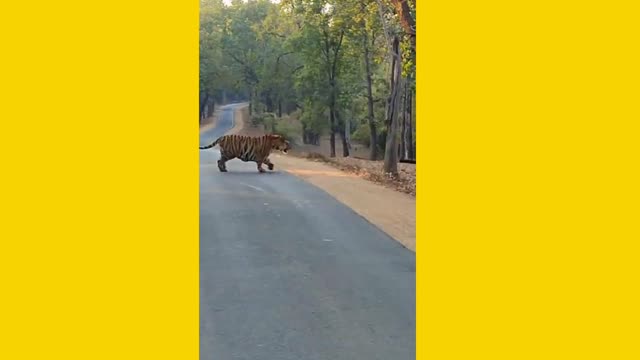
x=278, y=142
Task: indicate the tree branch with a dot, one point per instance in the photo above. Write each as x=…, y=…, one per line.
x=275, y=34
x=281, y=55
x=336, y=52
x=406, y=20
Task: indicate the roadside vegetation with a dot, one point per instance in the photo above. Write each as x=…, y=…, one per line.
x=337, y=77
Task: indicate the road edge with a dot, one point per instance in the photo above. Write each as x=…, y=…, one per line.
x=356, y=204
x=381, y=222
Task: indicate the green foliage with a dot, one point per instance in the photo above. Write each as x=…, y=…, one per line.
x=265, y=119
x=290, y=131
x=314, y=117
x=362, y=135
x=305, y=56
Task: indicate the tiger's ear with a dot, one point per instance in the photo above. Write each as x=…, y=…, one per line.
x=275, y=136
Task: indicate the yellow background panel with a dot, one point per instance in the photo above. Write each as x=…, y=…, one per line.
x=99, y=234
x=528, y=180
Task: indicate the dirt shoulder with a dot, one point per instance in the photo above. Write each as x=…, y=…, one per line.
x=366, y=197
x=370, y=200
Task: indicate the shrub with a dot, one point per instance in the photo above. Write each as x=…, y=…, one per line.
x=288, y=130
x=264, y=119
x=362, y=135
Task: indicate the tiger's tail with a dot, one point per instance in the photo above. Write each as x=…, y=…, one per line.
x=211, y=145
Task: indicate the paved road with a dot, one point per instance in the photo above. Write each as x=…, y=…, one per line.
x=287, y=272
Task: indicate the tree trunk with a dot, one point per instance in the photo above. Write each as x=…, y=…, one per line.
x=254, y=100
x=393, y=107
x=332, y=122
x=407, y=21
x=211, y=107
x=305, y=134
x=345, y=147
x=403, y=125
x=344, y=134
x=203, y=107
x=407, y=152
x=373, y=143
x=411, y=154
x=332, y=65
x=332, y=116
x=256, y=97
x=347, y=136
x=268, y=102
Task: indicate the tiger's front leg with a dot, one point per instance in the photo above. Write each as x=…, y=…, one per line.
x=269, y=164
x=260, y=169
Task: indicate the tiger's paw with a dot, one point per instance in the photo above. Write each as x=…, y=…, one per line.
x=270, y=166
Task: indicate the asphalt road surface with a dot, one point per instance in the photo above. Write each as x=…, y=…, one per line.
x=288, y=272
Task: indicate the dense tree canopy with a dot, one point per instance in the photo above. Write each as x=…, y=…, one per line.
x=344, y=67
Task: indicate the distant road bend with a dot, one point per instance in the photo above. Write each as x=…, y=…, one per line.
x=288, y=272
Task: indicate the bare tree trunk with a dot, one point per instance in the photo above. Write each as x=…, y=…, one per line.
x=345, y=146
x=203, y=107
x=347, y=135
x=254, y=100
x=407, y=152
x=373, y=136
x=211, y=106
x=332, y=116
x=393, y=107
x=268, y=102
x=411, y=154
x=332, y=122
x=332, y=64
x=344, y=135
x=403, y=132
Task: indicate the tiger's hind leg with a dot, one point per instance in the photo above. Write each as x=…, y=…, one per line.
x=223, y=160
x=222, y=166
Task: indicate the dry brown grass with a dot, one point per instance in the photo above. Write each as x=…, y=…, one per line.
x=404, y=182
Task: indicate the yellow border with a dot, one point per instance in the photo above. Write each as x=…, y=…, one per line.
x=99, y=226
x=527, y=180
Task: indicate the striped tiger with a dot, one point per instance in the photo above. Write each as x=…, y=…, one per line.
x=248, y=148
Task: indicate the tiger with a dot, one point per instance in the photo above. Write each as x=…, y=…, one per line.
x=248, y=148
